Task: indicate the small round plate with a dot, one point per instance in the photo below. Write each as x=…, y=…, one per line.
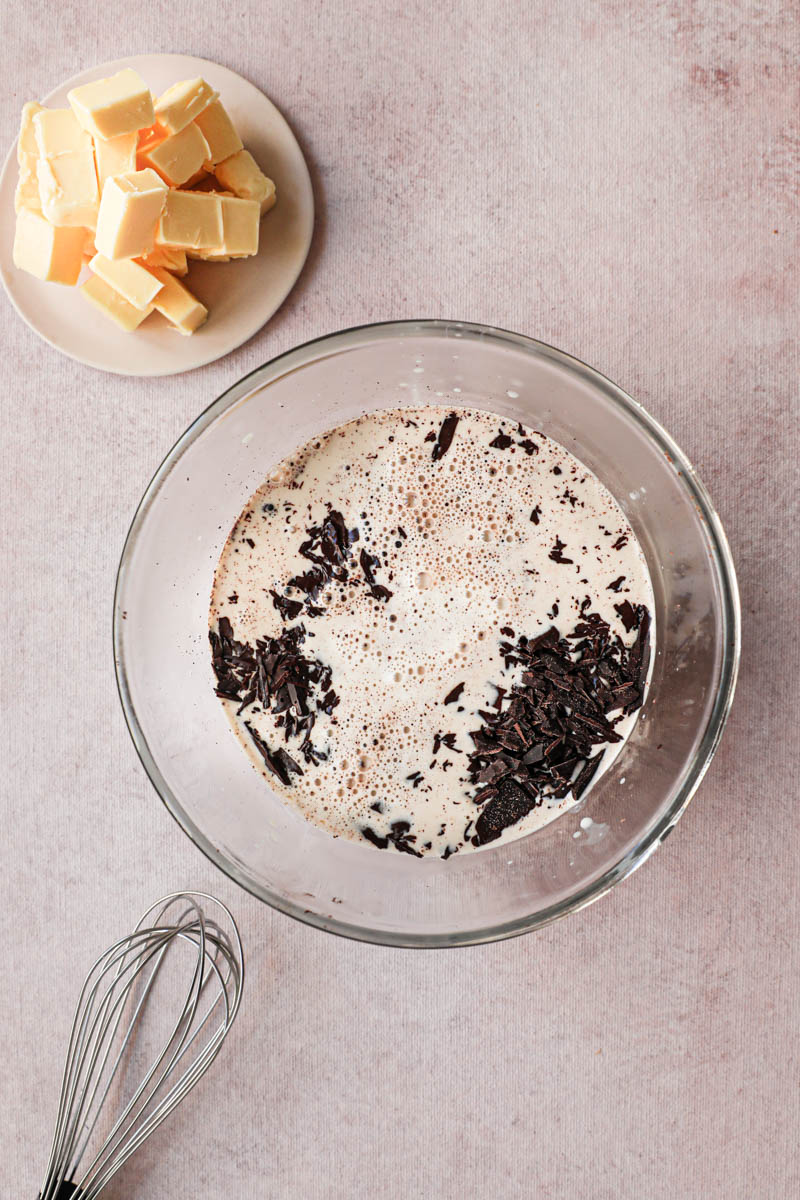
x=240, y=296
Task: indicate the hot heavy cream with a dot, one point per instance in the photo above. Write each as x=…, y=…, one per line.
x=366, y=619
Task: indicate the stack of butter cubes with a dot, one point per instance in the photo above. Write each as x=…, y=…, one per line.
x=136, y=187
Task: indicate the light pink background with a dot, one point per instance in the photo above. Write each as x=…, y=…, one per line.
x=620, y=179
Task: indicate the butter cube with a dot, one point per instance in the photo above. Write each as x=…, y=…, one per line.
x=65, y=169
x=218, y=130
x=241, y=221
x=191, y=221
x=133, y=281
x=110, y=107
x=167, y=257
x=27, y=193
x=27, y=146
x=115, y=156
x=242, y=175
x=113, y=305
x=178, y=156
x=50, y=252
x=129, y=212
x=58, y=132
x=27, y=190
x=177, y=304
x=182, y=102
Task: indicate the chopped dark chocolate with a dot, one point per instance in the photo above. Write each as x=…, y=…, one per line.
x=289, y=609
x=372, y=836
x=399, y=834
x=539, y=742
x=616, y=584
x=279, y=762
x=445, y=436
x=627, y=615
x=369, y=562
x=454, y=694
x=276, y=675
x=557, y=553
x=502, y=441
x=509, y=806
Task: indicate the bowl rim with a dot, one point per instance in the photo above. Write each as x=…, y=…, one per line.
x=332, y=343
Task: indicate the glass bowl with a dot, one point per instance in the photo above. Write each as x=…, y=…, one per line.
x=182, y=734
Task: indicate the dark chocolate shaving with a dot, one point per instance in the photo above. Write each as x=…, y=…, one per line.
x=369, y=562
x=535, y=514
x=539, y=742
x=557, y=553
x=372, y=836
x=399, y=835
x=289, y=609
x=508, y=807
x=616, y=584
x=329, y=547
x=445, y=437
x=276, y=675
x=502, y=441
x=279, y=761
x=627, y=615
x=454, y=695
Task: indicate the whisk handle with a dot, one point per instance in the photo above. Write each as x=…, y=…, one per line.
x=67, y=1191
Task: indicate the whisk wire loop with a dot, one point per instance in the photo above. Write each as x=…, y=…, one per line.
x=111, y=1008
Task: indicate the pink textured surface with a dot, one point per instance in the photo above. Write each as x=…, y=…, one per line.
x=620, y=179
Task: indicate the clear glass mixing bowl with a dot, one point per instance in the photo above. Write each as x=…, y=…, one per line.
x=182, y=734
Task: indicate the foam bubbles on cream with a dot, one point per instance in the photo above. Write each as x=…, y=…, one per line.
x=465, y=546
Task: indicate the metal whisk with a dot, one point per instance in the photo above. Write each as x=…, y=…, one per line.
x=196, y=957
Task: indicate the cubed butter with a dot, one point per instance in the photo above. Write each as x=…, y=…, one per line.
x=129, y=212
x=242, y=175
x=241, y=221
x=115, y=156
x=167, y=257
x=50, y=252
x=27, y=191
x=110, y=107
x=134, y=282
x=58, y=132
x=191, y=221
x=113, y=305
x=177, y=304
x=218, y=130
x=178, y=156
x=146, y=139
x=182, y=102
x=65, y=170
x=27, y=145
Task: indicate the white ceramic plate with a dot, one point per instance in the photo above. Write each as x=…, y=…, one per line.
x=241, y=296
